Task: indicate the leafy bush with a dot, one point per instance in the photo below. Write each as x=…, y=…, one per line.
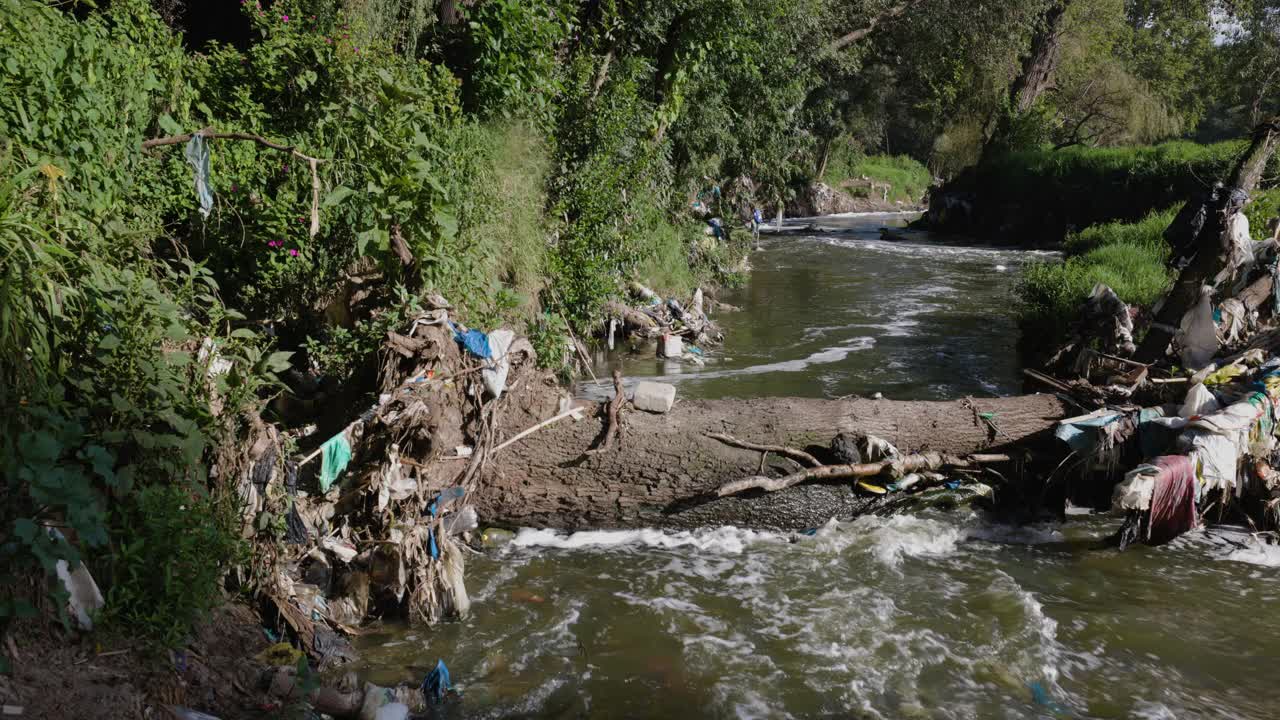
x=604, y=197
x=109, y=396
x=514, y=72
x=174, y=545
x=1264, y=206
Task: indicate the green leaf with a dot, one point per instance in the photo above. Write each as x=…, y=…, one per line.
x=169, y=125
x=448, y=223
x=109, y=342
x=243, y=334
x=278, y=361
x=337, y=195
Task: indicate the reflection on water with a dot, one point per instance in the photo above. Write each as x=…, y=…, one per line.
x=841, y=312
x=930, y=616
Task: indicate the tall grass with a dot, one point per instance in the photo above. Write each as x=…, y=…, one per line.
x=514, y=229
x=1130, y=258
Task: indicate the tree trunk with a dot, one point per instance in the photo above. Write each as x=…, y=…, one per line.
x=1038, y=67
x=823, y=159
x=664, y=471
x=1210, y=243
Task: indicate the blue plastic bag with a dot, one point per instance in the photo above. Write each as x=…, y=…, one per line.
x=436, y=683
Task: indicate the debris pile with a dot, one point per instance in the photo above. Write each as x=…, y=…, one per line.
x=376, y=520
x=1187, y=456
x=681, y=331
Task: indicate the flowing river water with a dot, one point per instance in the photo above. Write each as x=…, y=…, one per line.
x=933, y=615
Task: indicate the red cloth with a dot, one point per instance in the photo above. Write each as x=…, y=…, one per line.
x=1173, y=501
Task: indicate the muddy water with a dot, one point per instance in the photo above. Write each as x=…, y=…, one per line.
x=936, y=615
x=931, y=616
x=839, y=311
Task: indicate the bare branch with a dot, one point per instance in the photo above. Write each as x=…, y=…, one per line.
x=854, y=36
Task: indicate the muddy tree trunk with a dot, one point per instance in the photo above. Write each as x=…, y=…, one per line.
x=664, y=471
x=1210, y=243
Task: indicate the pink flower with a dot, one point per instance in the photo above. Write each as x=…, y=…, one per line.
x=284, y=18
x=293, y=252
x=234, y=187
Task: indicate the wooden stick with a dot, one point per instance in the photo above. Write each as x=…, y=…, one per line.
x=1163, y=381
x=526, y=433
x=315, y=197
x=911, y=463
x=792, y=453
x=1047, y=380
x=1125, y=361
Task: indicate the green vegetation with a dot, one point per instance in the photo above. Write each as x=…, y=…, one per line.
x=1130, y=258
x=906, y=177
x=1042, y=194
x=524, y=158
x=1262, y=208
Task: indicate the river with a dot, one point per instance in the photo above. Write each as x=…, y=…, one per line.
x=841, y=312
x=933, y=615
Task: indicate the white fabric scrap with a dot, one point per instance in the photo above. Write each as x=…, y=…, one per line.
x=1219, y=456
x=1198, y=335
x=1135, y=492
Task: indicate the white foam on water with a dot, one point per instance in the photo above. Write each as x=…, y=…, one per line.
x=722, y=539
x=1150, y=710
x=1263, y=555
x=891, y=539
x=822, y=357
x=932, y=251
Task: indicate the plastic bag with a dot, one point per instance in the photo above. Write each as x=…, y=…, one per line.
x=1198, y=334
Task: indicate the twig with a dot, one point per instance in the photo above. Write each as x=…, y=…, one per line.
x=526, y=433
x=1123, y=361
x=986, y=418
x=792, y=453
x=1047, y=380
x=911, y=463
x=615, y=407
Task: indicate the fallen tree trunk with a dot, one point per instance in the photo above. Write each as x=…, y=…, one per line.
x=666, y=469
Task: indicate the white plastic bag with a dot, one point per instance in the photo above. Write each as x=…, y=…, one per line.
x=1200, y=401
x=494, y=374
x=1198, y=335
